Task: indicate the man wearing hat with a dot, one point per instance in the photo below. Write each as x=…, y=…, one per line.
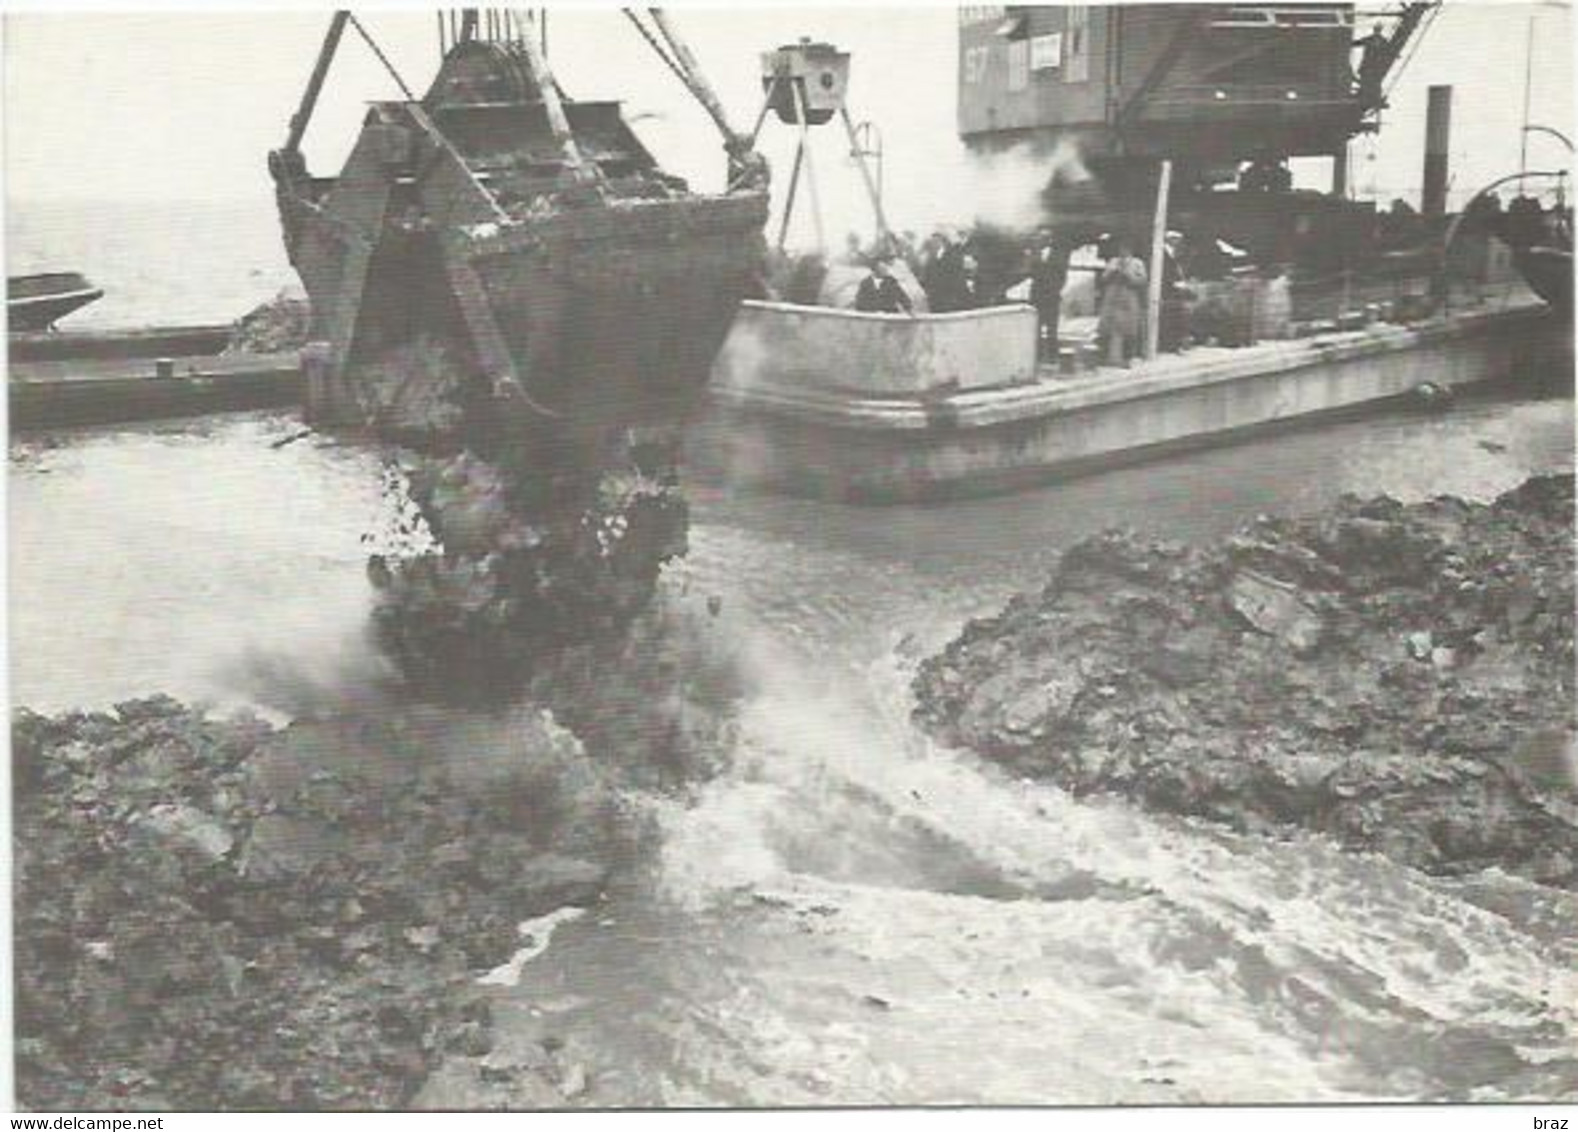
x=1120, y=319
x=1173, y=327
x=880, y=293
x=1048, y=274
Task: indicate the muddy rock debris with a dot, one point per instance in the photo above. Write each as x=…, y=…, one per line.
x=522, y=570
x=1393, y=676
x=224, y=915
x=275, y=327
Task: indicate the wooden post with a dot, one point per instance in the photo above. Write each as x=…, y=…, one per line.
x=320, y=71
x=1153, y=306
x=317, y=366
x=767, y=103
x=693, y=78
x=1528, y=89
x=1438, y=139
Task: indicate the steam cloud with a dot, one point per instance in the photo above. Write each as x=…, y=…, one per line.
x=1006, y=190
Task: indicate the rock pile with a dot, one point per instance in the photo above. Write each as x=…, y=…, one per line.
x=518, y=185
x=1397, y=677
x=219, y=915
x=275, y=327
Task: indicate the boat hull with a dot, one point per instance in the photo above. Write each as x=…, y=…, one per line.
x=1549, y=274
x=37, y=302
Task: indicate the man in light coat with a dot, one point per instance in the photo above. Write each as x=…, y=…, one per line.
x=1121, y=319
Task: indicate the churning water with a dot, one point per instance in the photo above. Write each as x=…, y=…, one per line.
x=851, y=914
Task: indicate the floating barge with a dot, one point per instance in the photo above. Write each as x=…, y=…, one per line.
x=98, y=384
x=1177, y=114
x=891, y=408
x=118, y=345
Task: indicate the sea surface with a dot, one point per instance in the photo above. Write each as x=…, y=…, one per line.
x=852, y=913
x=184, y=262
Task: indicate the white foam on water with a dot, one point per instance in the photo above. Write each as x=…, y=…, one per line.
x=538, y=933
x=852, y=913
x=1253, y=969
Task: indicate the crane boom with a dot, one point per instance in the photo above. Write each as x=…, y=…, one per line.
x=320, y=71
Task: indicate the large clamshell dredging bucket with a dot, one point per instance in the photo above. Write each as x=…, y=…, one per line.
x=468, y=240
x=614, y=314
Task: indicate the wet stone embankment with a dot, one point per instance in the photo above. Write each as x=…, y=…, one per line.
x=1396, y=677
x=222, y=915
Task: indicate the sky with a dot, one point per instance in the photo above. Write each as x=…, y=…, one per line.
x=185, y=105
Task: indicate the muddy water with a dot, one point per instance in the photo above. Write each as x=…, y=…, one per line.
x=193, y=558
x=851, y=914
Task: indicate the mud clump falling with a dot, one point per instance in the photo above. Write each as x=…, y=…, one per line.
x=524, y=537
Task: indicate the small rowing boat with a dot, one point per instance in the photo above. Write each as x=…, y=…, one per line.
x=37, y=302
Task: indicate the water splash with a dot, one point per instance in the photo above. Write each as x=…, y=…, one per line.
x=1004, y=915
x=537, y=933
x=848, y=912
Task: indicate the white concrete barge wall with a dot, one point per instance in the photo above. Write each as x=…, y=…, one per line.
x=797, y=347
x=809, y=440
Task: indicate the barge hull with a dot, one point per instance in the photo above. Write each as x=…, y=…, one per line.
x=118, y=345
x=858, y=449
x=102, y=392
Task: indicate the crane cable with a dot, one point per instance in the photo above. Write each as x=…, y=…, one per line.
x=1419, y=37
x=382, y=58
x=673, y=64
x=680, y=60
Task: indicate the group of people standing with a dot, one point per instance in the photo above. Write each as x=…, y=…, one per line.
x=950, y=274
x=1122, y=284
x=947, y=268
x=944, y=270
